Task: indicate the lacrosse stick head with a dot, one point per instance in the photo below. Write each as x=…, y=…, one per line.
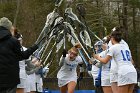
x=58, y=21
x=73, y=17
x=45, y=71
x=70, y=14
x=50, y=18
x=85, y=38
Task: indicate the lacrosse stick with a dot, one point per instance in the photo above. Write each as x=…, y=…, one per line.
x=86, y=38
x=75, y=36
x=50, y=20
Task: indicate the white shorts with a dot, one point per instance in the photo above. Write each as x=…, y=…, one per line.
x=113, y=77
x=129, y=78
x=30, y=83
x=105, y=79
x=40, y=86
x=64, y=82
x=22, y=83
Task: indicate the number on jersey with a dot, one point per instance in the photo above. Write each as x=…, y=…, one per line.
x=125, y=55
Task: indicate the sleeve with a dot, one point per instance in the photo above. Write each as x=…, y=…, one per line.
x=23, y=54
x=110, y=51
x=80, y=61
x=28, y=52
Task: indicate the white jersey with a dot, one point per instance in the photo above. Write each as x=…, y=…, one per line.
x=68, y=70
x=22, y=66
x=114, y=68
x=105, y=74
x=105, y=67
x=122, y=58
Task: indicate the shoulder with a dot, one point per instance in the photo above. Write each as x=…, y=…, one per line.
x=109, y=44
x=79, y=59
x=123, y=42
x=112, y=47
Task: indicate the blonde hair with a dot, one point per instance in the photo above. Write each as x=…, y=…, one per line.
x=75, y=48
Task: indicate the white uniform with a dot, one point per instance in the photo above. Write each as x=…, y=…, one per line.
x=94, y=72
x=68, y=72
x=114, y=68
x=22, y=73
x=39, y=83
x=105, y=73
x=125, y=69
x=30, y=83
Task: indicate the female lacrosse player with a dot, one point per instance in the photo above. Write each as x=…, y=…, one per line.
x=96, y=69
x=105, y=69
x=113, y=67
x=67, y=76
x=121, y=55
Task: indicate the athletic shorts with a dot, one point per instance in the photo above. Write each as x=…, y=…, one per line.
x=22, y=83
x=64, y=82
x=113, y=77
x=105, y=79
x=30, y=83
x=129, y=78
x=40, y=86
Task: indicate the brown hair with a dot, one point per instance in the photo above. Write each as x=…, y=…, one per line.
x=116, y=34
x=17, y=34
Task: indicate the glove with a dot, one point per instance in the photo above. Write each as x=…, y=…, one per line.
x=93, y=60
x=64, y=52
x=45, y=71
x=96, y=62
x=39, y=71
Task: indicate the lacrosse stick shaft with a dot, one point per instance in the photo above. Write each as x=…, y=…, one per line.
x=45, y=48
x=49, y=53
